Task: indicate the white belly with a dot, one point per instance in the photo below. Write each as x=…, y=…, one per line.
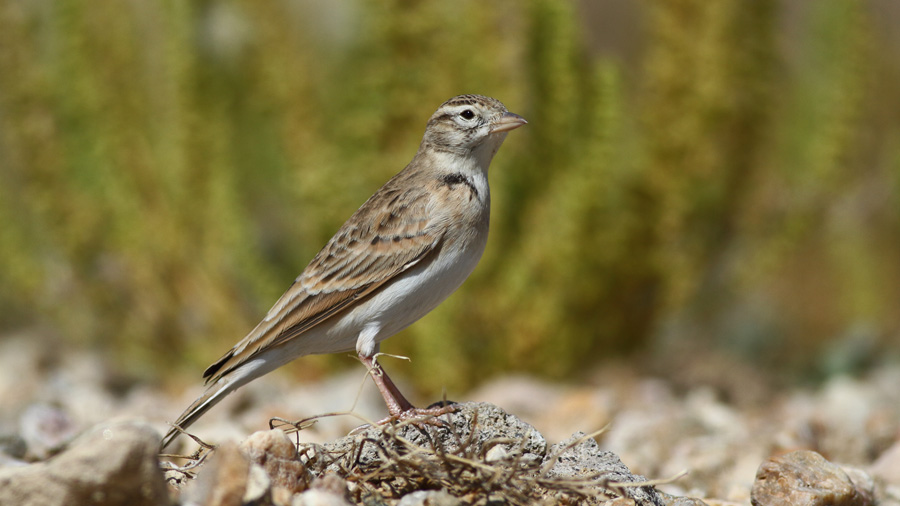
x=412, y=295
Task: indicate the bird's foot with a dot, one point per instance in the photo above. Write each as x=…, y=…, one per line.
x=417, y=417
x=422, y=416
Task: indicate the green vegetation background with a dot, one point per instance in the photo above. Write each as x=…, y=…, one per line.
x=696, y=178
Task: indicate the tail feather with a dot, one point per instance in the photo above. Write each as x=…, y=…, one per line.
x=224, y=385
x=218, y=391
x=215, y=393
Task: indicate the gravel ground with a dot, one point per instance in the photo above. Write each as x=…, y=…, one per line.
x=657, y=429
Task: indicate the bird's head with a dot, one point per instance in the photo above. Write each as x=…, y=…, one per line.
x=468, y=123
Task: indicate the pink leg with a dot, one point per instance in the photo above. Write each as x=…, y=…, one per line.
x=394, y=400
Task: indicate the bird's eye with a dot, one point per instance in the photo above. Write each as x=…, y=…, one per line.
x=467, y=114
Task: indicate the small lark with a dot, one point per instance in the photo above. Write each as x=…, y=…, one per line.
x=401, y=254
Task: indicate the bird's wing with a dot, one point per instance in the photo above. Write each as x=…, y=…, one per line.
x=389, y=234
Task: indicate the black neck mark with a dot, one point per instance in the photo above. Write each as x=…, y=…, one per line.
x=456, y=178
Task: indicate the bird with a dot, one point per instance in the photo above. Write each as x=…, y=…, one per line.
x=404, y=251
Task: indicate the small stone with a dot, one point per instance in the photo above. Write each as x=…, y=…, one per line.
x=45, y=429
x=862, y=482
x=272, y=450
x=258, y=486
x=619, y=501
x=333, y=484
x=803, y=478
x=429, y=498
x=223, y=480
x=580, y=457
x=887, y=466
x=673, y=500
x=319, y=497
x=110, y=465
x=496, y=454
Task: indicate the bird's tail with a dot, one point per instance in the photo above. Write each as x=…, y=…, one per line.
x=213, y=394
x=217, y=391
x=224, y=385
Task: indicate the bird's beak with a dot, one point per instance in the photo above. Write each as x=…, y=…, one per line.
x=507, y=122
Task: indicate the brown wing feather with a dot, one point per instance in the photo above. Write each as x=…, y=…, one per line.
x=390, y=233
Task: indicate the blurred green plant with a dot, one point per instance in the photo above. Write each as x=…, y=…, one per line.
x=167, y=168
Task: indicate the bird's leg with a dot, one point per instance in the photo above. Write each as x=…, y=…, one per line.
x=395, y=401
x=398, y=406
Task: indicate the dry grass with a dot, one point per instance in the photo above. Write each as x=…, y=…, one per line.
x=383, y=464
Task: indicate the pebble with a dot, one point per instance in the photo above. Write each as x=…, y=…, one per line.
x=223, y=479
x=580, y=456
x=277, y=456
x=429, y=498
x=887, y=466
x=805, y=478
x=112, y=464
